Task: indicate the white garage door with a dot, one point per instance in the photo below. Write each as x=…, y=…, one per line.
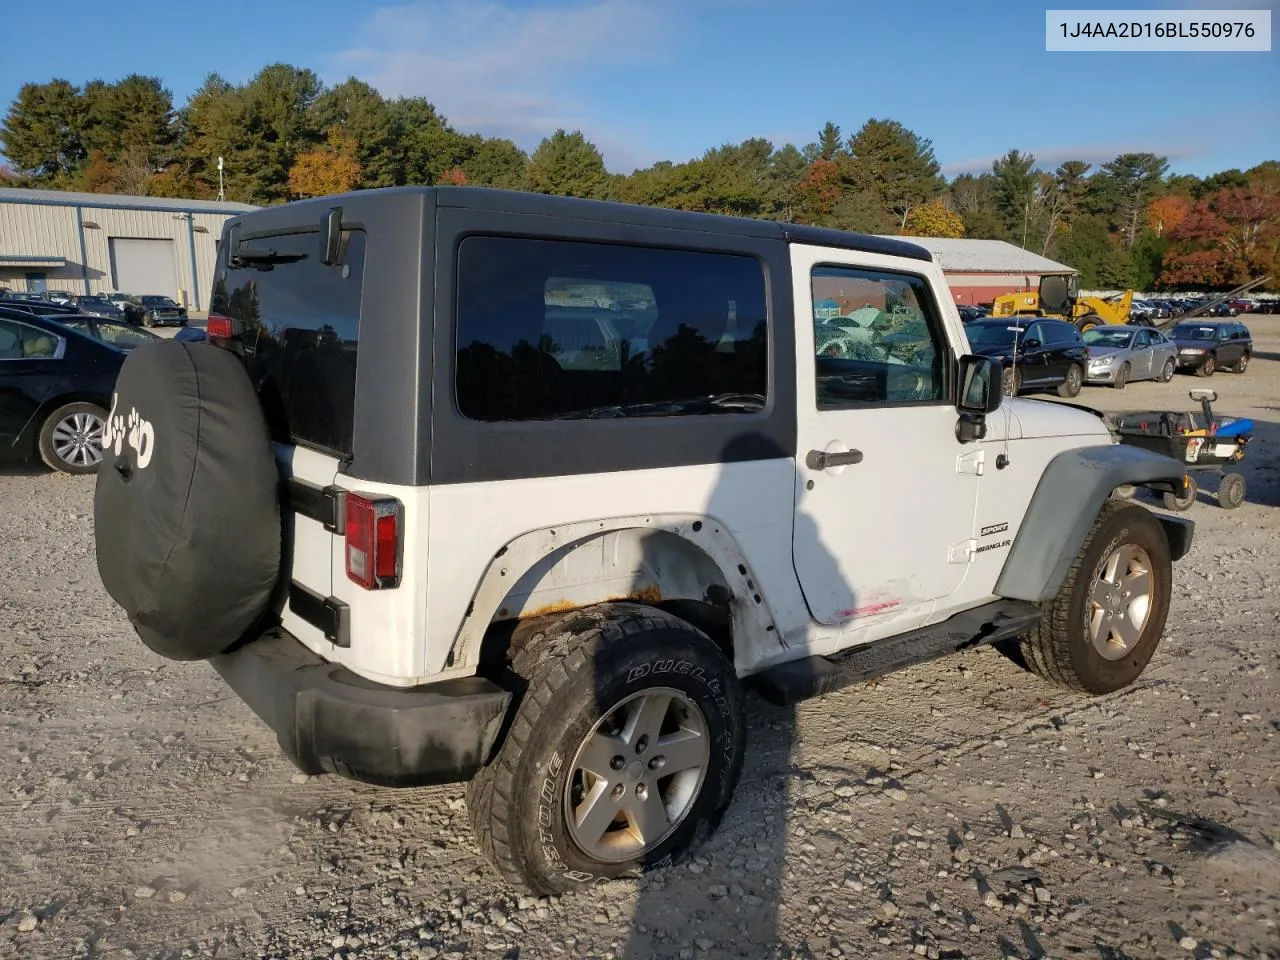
x=143, y=266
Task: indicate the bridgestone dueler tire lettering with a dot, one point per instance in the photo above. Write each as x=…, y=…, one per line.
x=1059, y=649
x=574, y=670
x=186, y=508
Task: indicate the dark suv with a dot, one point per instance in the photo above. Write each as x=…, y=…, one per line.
x=1207, y=345
x=1036, y=353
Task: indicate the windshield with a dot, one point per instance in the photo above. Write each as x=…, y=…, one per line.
x=1193, y=331
x=992, y=334
x=1097, y=337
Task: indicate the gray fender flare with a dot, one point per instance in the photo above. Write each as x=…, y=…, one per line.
x=1072, y=490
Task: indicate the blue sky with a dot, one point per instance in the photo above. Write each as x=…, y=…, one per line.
x=666, y=79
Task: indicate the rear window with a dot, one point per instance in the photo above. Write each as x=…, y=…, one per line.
x=558, y=329
x=298, y=322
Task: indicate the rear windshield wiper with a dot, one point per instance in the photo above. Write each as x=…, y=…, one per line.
x=265, y=256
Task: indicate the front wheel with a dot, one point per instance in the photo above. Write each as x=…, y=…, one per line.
x=71, y=438
x=1012, y=381
x=1070, y=387
x=1122, y=377
x=622, y=755
x=1206, y=369
x=1098, y=634
x=1170, y=367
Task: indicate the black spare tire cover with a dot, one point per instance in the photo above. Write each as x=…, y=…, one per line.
x=186, y=510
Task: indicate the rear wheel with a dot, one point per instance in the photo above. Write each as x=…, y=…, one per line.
x=1122, y=377
x=1070, y=387
x=71, y=438
x=1174, y=502
x=1087, y=322
x=1242, y=364
x=1170, y=367
x=622, y=755
x=1231, y=491
x=1098, y=634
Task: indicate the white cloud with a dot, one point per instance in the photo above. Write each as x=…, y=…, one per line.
x=510, y=71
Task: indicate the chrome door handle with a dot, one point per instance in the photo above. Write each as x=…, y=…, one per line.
x=820, y=459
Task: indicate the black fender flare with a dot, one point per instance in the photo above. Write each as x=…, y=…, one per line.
x=1071, y=491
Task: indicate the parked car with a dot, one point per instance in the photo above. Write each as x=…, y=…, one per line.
x=1034, y=353
x=1121, y=354
x=159, y=311
x=99, y=306
x=65, y=297
x=968, y=313
x=628, y=483
x=55, y=390
x=39, y=307
x=129, y=304
x=119, y=334
x=1206, y=345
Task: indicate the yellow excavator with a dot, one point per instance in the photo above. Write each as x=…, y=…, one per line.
x=1058, y=298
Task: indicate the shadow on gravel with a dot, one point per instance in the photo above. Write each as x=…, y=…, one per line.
x=722, y=900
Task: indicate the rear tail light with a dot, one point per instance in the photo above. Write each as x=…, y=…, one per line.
x=218, y=326
x=373, y=541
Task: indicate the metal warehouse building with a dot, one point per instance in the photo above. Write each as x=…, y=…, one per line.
x=102, y=243
x=978, y=271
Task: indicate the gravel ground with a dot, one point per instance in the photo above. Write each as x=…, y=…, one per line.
x=958, y=809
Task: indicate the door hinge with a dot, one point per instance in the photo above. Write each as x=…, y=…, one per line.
x=971, y=462
x=962, y=552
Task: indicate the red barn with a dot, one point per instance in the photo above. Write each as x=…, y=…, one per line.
x=978, y=271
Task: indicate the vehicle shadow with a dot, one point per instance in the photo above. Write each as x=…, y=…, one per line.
x=732, y=880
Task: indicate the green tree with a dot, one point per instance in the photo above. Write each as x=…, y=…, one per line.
x=976, y=199
x=1146, y=260
x=361, y=114
x=1016, y=184
x=43, y=133
x=1090, y=248
x=894, y=165
x=1124, y=188
x=829, y=142
x=569, y=165
x=497, y=163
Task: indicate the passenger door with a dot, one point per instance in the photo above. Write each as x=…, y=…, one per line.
x=1142, y=362
x=29, y=361
x=885, y=493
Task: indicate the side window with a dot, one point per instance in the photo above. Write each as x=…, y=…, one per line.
x=21, y=342
x=878, y=339
x=559, y=329
x=1059, y=334
x=1035, y=331
x=1142, y=339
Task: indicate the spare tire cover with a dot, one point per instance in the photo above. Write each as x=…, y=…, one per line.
x=186, y=509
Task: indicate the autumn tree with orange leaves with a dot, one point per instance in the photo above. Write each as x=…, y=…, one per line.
x=329, y=169
x=1228, y=238
x=934, y=220
x=1165, y=213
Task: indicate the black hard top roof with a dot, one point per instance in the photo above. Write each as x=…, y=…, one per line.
x=539, y=204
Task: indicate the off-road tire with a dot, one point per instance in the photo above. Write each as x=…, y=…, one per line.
x=1206, y=369
x=1174, y=502
x=1168, y=370
x=1122, y=378
x=1070, y=387
x=46, y=444
x=1059, y=649
x=1242, y=364
x=1231, y=491
x=572, y=672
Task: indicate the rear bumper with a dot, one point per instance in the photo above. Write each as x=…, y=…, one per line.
x=329, y=720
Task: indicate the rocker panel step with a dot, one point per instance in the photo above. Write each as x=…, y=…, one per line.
x=797, y=680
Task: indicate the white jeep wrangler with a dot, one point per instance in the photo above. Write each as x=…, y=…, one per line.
x=525, y=490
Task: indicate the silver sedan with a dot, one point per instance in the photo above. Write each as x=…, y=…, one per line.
x=1121, y=353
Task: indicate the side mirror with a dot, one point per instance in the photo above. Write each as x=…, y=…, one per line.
x=1030, y=343
x=981, y=385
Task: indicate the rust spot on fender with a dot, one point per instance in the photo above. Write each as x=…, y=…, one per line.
x=649, y=594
